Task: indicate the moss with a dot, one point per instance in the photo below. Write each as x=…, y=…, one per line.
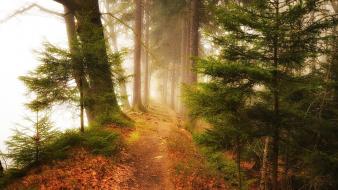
x=95, y=140
x=133, y=137
x=120, y=119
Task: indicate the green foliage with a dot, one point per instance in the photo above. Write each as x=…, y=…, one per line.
x=267, y=81
x=61, y=76
x=227, y=167
x=10, y=175
x=97, y=141
x=52, y=81
x=22, y=149
x=29, y=145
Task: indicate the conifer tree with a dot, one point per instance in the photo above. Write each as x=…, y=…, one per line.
x=53, y=81
x=268, y=47
x=27, y=145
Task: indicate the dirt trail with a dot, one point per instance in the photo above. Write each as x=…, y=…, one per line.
x=159, y=155
x=147, y=150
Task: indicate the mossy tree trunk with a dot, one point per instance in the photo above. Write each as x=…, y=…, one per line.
x=100, y=99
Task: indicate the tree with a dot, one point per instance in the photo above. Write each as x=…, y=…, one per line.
x=147, y=74
x=222, y=102
x=101, y=103
x=78, y=66
x=1, y=169
x=112, y=27
x=27, y=145
x=137, y=97
x=195, y=37
x=266, y=47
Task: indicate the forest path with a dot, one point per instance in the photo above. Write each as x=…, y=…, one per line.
x=159, y=155
x=147, y=149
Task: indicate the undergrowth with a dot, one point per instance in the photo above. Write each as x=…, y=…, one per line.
x=94, y=140
x=217, y=160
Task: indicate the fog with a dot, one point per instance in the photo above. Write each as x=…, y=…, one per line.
x=20, y=37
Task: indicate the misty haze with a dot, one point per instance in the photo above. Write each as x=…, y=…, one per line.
x=169, y=94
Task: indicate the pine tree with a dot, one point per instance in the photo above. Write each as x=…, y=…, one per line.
x=268, y=51
x=52, y=82
x=27, y=145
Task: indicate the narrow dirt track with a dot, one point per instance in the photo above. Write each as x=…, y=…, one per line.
x=158, y=155
x=148, y=152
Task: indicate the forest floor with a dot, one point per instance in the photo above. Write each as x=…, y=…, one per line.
x=164, y=156
x=159, y=155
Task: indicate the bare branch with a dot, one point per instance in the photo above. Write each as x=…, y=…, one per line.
x=147, y=49
x=119, y=20
x=32, y=6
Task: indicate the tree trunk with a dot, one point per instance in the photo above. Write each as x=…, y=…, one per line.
x=37, y=139
x=195, y=38
x=146, y=54
x=184, y=57
x=264, y=185
x=165, y=86
x=173, y=86
x=112, y=36
x=187, y=67
x=78, y=70
x=275, y=136
x=334, y=58
x=101, y=100
x=286, y=164
x=137, y=98
x=1, y=169
x=238, y=162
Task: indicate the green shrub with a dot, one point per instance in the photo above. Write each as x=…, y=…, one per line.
x=102, y=142
x=29, y=145
x=95, y=140
x=226, y=167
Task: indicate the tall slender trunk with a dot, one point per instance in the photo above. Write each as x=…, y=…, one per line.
x=286, y=184
x=78, y=70
x=146, y=54
x=275, y=136
x=334, y=59
x=137, y=98
x=184, y=58
x=238, y=162
x=114, y=46
x=195, y=38
x=1, y=169
x=173, y=86
x=81, y=106
x=263, y=184
x=37, y=138
x=187, y=67
x=165, y=86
